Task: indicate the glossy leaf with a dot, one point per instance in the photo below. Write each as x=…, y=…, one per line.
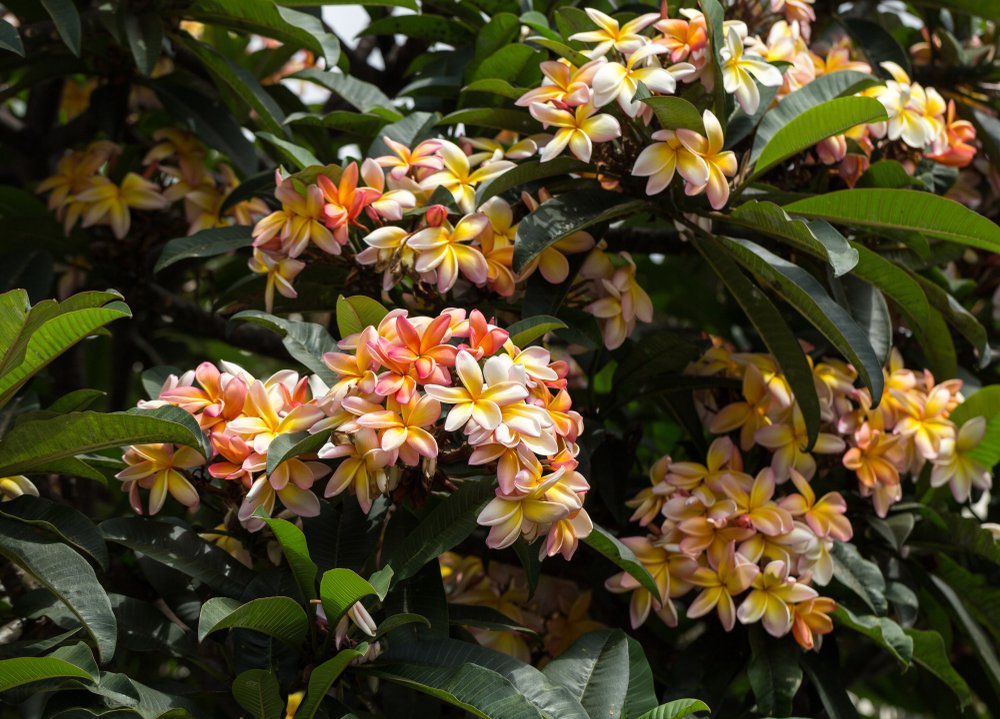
x=66, y=575
x=144, y=32
x=36, y=445
x=24, y=670
x=881, y=630
x=206, y=243
x=305, y=341
x=774, y=672
x=279, y=617
x=526, y=172
x=67, y=21
x=357, y=312
x=861, y=576
x=294, y=547
x=67, y=523
x=818, y=123
x=622, y=557
x=930, y=653
x=257, y=692
x=323, y=677
x=675, y=113
x=564, y=215
x=340, y=589
x=10, y=39
x=907, y=210
x=524, y=332
x=677, y=709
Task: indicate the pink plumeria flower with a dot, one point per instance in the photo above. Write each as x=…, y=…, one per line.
x=564, y=83
x=405, y=161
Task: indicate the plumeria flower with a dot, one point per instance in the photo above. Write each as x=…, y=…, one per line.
x=15, y=486
x=811, y=619
x=445, y=250
x=955, y=464
x=623, y=38
x=363, y=468
x=924, y=419
x=564, y=83
x=155, y=467
x=680, y=37
x=824, y=517
x=667, y=570
x=906, y=105
x=405, y=161
x=299, y=222
x=661, y=160
x=481, y=394
x=721, y=163
x=458, y=177
x=770, y=599
x=788, y=442
x=507, y=515
x=265, y=418
x=281, y=272
x=108, y=203
x=719, y=583
x=578, y=128
x=292, y=483
x=614, y=81
x=401, y=427
x=740, y=69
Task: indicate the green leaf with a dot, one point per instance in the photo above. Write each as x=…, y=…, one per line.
x=33, y=339
x=986, y=9
x=677, y=709
x=278, y=617
x=24, y=670
x=289, y=446
x=36, y=445
x=524, y=332
x=240, y=83
x=806, y=295
x=565, y=214
x=984, y=646
x=525, y=172
x=293, y=154
x=433, y=28
x=62, y=520
x=257, y=691
x=881, y=630
x=497, y=119
x=400, y=620
x=910, y=210
x=362, y=95
x=442, y=528
x=381, y=580
x=773, y=330
x=296, y=551
x=66, y=575
x=77, y=400
x=824, y=672
x=339, y=590
x=181, y=549
x=361, y=123
x=595, y=670
x=10, y=39
x=870, y=310
x=305, y=341
x=495, y=86
x=479, y=680
x=675, y=113
x=67, y=22
x=818, y=123
x=508, y=63
x=887, y=173
x=357, y=312
x=823, y=88
x=408, y=4
x=957, y=316
x=895, y=283
x=930, y=653
x=817, y=238
x=774, y=672
x=483, y=617
x=862, y=577
x=714, y=16
x=561, y=49
x=323, y=677
x=142, y=627
x=622, y=557
x=877, y=44
x=263, y=17
x=206, y=243
x=144, y=32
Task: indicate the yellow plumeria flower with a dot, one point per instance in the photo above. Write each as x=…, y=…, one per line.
x=294, y=702
x=458, y=177
x=623, y=38
x=15, y=486
x=614, y=81
x=788, y=440
x=740, y=69
x=155, y=467
x=108, y=203
x=661, y=160
x=445, y=250
x=578, y=128
x=480, y=394
x=720, y=583
x=906, y=104
x=771, y=598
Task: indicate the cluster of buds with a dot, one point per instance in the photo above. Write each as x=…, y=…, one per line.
x=551, y=618
x=767, y=539
x=506, y=407
x=83, y=188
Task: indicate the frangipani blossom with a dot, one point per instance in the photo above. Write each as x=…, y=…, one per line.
x=459, y=178
x=721, y=163
x=480, y=396
x=663, y=158
x=155, y=467
x=108, y=203
x=616, y=82
x=563, y=84
x=445, y=250
x=740, y=70
x=955, y=464
x=578, y=129
x=771, y=598
x=623, y=38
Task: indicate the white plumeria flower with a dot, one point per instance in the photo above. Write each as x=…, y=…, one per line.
x=739, y=70
x=578, y=129
x=614, y=81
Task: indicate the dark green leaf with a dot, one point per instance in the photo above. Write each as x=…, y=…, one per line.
x=676, y=112
x=67, y=22
x=144, y=32
x=525, y=172
x=62, y=520
x=677, y=709
x=305, y=341
x=622, y=557
x=66, y=575
x=206, y=243
x=278, y=617
x=323, y=677
x=293, y=545
x=774, y=672
x=862, y=577
x=362, y=95
x=595, y=670
x=257, y=691
x=881, y=630
x=524, y=332
x=930, y=653
x=24, y=670
x=10, y=39
x=339, y=590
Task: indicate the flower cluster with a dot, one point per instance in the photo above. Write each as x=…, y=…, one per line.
x=506, y=407
x=762, y=539
x=557, y=612
x=84, y=189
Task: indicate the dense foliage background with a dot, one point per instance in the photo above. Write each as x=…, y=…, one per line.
x=772, y=213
